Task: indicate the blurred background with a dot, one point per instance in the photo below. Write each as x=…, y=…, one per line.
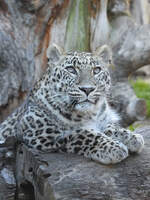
x=27, y=28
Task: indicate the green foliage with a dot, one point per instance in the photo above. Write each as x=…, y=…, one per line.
x=132, y=127
x=142, y=90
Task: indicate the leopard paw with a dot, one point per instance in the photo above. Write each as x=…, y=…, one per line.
x=112, y=155
x=136, y=143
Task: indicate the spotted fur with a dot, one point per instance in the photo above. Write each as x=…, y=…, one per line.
x=67, y=110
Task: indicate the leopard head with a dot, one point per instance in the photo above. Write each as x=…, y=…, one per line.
x=82, y=78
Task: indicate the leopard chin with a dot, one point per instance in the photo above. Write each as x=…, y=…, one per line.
x=85, y=106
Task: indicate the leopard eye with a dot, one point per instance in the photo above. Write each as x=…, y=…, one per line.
x=71, y=70
x=96, y=70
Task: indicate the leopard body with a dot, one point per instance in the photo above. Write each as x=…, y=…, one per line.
x=67, y=110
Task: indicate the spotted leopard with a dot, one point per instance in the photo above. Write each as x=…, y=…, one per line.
x=67, y=110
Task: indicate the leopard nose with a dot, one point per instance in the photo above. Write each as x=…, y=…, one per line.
x=87, y=90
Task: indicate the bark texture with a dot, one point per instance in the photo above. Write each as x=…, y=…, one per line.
x=7, y=174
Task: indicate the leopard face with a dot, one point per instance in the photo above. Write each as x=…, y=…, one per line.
x=82, y=78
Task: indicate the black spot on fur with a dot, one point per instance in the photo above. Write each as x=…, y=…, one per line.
x=85, y=132
x=48, y=123
x=112, y=143
x=39, y=147
x=12, y=122
x=38, y=114
x=65, y=140
x=95, y=143
x=61, y=141
x=91, y=148
x=87, y=142
x=30, y=134
x=103, y=144
x=49, y=130
x=39, y=123
x=78, y=142
x=33, y=142
x=57, y=145
x=58, y=76
x=57, y=132
x=29, y=119
x=77, y=119
x=97, y=155
x=43, y=140
x=48, y=144
x=70, y=137
x=78, y=130
x=66, y=115
x=110, y=150
x=97, y=137
x=81, y=137
x=38, y=132
x=95, y=151
x=50, y=137
x=105, y=147
x=91, y=135
x=40, y=137
x=24, y=127
x=6, y=133
x=77, y=149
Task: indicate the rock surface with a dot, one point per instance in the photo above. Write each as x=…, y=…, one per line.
x=7, y=176
x=57, y=176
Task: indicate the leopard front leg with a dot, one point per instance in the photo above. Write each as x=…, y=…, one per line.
x=8, y=130
x=134, y=142
x=96, y=146
x=39, y=130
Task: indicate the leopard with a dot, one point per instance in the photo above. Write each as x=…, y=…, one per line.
x=67, y=110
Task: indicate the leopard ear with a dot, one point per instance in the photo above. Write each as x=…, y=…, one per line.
x=54, y=52
x=104, y=53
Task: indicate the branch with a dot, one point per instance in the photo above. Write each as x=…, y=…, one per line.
x=132, y=50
